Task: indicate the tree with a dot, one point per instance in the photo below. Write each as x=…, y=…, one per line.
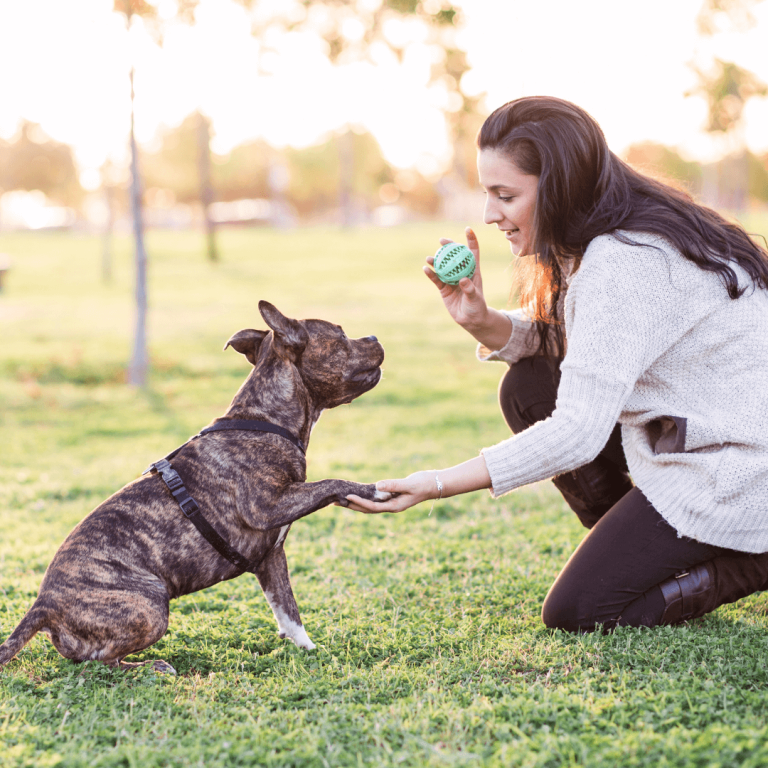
x=203, y=136
x=244, y=172
x=350, y=29
x=357, y=31
x=113, y=191
x=137, y=368
x=727, y=87
x=354, y=31
x=717, y=15
x=183, y=165
x=174, y=164
x=317, y=174
x=666, y=163
x=33, y=161
x=131, y=9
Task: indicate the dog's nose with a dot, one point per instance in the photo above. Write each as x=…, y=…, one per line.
x=371, y=338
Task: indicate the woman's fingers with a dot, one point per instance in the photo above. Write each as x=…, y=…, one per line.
x=432, y=275
x=468, y=287
x=359, y=504
x=407, y=492
x=472, y=243
x=474, y=246
x=443, y=241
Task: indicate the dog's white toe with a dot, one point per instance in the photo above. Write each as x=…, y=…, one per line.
x=298, y=635
x=382, y=496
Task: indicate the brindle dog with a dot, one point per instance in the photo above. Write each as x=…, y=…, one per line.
x=105, y=594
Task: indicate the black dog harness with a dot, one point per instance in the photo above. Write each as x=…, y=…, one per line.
x=191, y=508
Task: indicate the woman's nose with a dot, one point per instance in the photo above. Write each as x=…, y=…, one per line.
x=490, y=212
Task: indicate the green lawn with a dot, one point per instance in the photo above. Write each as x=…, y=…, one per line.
x=430, y=651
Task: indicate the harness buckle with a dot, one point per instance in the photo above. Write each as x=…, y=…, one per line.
x=157, y=466
x=189, y=506
x=172, y=480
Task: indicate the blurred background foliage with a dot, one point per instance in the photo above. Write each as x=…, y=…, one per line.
x=345, y=177
x=177, y=181
x=32, y=161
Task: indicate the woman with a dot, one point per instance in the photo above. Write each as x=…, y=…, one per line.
x=643, y=350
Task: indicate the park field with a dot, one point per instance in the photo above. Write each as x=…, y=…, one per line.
x=431, y=651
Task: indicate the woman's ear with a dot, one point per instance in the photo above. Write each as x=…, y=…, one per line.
x=247, y=342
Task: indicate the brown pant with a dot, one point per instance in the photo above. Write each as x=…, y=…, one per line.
x=613, y=577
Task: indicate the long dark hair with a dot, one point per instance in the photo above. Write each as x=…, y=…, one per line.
x=585, y=191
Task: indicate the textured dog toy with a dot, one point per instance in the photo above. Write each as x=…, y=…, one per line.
x=454, y=261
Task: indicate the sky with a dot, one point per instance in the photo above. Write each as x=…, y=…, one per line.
x=624, y=61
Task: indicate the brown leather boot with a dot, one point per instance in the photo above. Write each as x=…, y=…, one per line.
x=689, y=595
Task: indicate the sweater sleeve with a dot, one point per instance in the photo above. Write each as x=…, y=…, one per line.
x=523, y=340
x=626, y=305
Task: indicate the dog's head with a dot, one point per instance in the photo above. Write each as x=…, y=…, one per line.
x=334, y=368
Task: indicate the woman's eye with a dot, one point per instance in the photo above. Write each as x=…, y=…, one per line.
x=505, y=199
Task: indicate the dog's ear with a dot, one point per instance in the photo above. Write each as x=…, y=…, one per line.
x=290, y=335
x=247, y=342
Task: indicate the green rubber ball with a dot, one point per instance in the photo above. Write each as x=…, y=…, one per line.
x=454, y=261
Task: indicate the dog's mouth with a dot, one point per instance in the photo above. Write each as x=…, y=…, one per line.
x=361, y=382
x=369, y=378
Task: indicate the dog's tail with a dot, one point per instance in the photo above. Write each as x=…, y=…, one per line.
x=28, y=627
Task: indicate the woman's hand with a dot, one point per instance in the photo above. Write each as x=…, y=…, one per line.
x=465, y=302
x=418, y=487
x=472, y=475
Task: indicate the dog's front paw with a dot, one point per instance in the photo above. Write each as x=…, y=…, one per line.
x=370, y=492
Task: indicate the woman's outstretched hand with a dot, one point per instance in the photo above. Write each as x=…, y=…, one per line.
x=418, y=487
x=472, y=475
x=465, y=302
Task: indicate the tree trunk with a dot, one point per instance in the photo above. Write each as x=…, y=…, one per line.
x=206, y=187
x=346, y=148
x=137, y=371
x=109, y=225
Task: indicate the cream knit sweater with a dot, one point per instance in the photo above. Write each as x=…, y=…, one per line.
x=655, y=343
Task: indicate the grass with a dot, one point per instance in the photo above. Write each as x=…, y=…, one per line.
x=430, y=647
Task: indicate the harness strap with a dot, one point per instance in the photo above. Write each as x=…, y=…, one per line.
x=191, y=510
x=248, y=425
x=255, y=426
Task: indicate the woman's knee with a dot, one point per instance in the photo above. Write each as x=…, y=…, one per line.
x=562, y=610
x=528, y=391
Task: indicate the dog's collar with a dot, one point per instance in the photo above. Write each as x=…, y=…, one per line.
x=242, y=424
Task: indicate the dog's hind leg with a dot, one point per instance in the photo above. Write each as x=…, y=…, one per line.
x=275, y=581
x=109, y=625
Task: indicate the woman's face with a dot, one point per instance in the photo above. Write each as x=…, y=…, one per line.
x=510, y=198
